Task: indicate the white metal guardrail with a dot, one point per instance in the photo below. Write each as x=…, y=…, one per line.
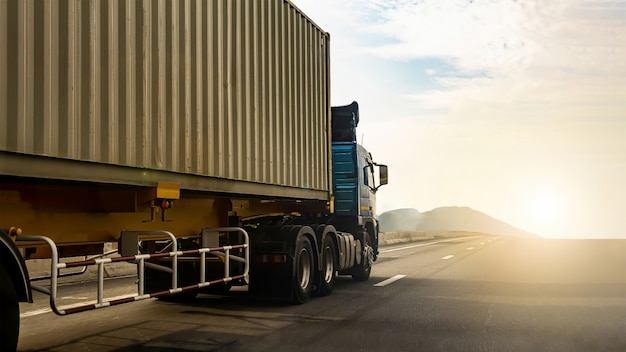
x=140, y=260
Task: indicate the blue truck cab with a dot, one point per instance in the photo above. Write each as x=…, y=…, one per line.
x=300, y=253
x=355, y=182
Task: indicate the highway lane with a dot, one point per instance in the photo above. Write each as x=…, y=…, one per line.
x=462, y=294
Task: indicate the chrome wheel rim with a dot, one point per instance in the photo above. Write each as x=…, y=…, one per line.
x=304, y=268
x=328, y=265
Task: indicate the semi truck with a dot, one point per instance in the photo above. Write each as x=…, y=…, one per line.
x=195, y=138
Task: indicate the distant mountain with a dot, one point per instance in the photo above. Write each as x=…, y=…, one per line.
x=400, y=220
x=447, y=219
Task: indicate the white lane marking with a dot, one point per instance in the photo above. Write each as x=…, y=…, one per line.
x=389, y=281
x=447, y=257
x=470, y=248
x=35, y=312
x=425, y=244
x=74, y=298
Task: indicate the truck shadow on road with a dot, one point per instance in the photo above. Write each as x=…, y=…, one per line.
x=579, y=315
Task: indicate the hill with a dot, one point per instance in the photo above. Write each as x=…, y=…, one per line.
x=400, y=220
x=447, y=219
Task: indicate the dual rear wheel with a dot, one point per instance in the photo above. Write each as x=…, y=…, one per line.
x=304, y=265
x=306, y=279
x=328, y=272
x=306, y=275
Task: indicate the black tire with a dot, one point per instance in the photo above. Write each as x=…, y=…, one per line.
x=328, y=272
x=361, y=272
x=304, y=271
x=9, y=313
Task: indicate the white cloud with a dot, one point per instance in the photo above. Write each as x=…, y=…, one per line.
x=483, y=36
x=499, y=97
x=523, y=39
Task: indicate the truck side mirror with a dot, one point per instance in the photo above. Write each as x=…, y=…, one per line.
x=383, y=174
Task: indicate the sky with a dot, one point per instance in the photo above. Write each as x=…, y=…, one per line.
x=515, y=108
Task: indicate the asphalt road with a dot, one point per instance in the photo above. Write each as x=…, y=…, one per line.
x=464, y=294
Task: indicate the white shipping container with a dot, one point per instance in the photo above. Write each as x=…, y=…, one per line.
x=228, y=96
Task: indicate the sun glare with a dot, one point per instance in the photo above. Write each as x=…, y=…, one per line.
x=546, y=209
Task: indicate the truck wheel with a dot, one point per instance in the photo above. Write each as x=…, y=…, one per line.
x=9, y=313
x=304, y=275
x=328, y=273
x=361, y=272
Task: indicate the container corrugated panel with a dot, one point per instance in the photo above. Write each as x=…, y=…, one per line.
x=226, y=89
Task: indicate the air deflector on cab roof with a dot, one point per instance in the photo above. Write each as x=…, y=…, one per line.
x=345, y=119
